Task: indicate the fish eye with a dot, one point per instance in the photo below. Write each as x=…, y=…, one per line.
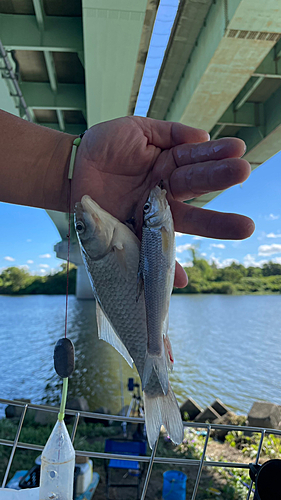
x=146, y=207
x=80, y=227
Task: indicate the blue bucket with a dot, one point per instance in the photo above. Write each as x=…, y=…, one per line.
x=174, y=485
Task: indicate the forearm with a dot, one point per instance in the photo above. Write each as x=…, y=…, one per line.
x=34, y=164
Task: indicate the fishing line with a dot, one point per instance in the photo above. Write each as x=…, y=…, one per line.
x=67, y=262
x=58, y=455
x=64, y=349
x=75, y=145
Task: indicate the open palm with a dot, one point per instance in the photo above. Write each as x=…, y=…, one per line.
x=120, y=161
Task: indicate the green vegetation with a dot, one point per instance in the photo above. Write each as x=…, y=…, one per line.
x=202, y=278
x=92, y=437
x=249, y=445
x=233, y=279
x=16, y=281
x=229, y=484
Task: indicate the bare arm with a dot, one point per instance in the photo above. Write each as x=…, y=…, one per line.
x=34, y=164
x=117, y=164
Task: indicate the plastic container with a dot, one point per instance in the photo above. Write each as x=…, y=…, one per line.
x=174, y=485
x=84, y=477
x=57, y=466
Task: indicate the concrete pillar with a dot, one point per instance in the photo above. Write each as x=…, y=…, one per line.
x=83, y=286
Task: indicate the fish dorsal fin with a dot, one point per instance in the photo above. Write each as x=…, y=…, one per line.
x=106, y=333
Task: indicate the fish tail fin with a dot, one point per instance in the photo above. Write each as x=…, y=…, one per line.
x=163, y=410
x=159, y=364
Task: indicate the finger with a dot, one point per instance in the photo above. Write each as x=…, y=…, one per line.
x=165, y=135
x=228, y=147
x=193, y=180
x=211, y=224
x=181, y=279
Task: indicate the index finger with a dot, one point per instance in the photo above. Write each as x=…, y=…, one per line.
x=227, y=147
x=166, y=135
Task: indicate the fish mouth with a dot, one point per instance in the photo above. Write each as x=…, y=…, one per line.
x=88, y=204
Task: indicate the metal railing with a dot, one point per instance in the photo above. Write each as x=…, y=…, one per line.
x=153, y=459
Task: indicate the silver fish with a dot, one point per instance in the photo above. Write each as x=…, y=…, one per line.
x=156, y=272
x=111, y=254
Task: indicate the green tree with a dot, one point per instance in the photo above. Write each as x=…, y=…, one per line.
x=233, y=273
x=271, y=269
x=13, y=279
x=254, y=272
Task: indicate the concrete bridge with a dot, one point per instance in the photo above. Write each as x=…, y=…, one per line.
x=69, y=65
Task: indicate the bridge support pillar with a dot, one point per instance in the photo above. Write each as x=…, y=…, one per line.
x=83, y=286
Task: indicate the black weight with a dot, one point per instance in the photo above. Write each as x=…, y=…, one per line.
x=64, y=357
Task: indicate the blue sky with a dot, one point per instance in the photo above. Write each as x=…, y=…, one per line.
x=28, y=235
x=258, y=198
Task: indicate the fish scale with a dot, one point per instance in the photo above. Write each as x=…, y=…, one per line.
x=155, y=281
x=111, y=253
x=157, y=269
x=125, y=314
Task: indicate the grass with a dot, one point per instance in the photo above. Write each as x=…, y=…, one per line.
x=92, y=436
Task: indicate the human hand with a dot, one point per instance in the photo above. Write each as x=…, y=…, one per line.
x=118, y=162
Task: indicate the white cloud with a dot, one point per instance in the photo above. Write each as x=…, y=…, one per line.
x=28, y=241
x=10, y=259
x=45, y=256
x=269, y=249
x=197, y=238
x=217, y=245
x=250, y=260
x=276, y=260
x=223, y=263
x=273, y=235
x=30, y=261
x=203, y=254
x=185, y=264
x=44, y=265
x=272, y=217
x=183, y=248
x=179, y=234
x=24, y=266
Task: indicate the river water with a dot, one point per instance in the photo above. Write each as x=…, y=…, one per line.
x=226, y=347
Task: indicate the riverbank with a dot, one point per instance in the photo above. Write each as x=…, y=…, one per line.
x=202, y=278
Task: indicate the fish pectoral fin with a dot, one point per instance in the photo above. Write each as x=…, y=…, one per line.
x=165, y=239
x=169, y=352
x=121, y=259
x=107, y=333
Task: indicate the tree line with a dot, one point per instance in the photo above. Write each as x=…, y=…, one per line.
x=202, y=278
x=233, y=279
x=18, y=281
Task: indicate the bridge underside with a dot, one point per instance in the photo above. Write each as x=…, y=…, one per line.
x=69, y=65
x=222, y=72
